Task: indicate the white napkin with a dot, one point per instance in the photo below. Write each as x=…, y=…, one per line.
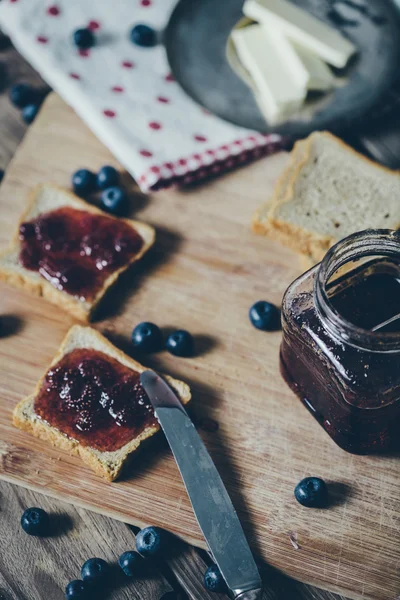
x=126, y=94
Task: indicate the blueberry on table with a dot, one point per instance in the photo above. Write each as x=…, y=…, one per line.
x=151, y=541
x=83, y=182
x=213, y=580
x=22, y=95
x=180, y=343
x=131, y=563
x=147, y=337
x=312, y=492
x=114, y=200
x=84, y=38
x=143, y=35
x=94, y=570
x=107, y=177
x=29, y=113
x=35, y=521
x=1, y=175
x=265, y=316
x=77, y=590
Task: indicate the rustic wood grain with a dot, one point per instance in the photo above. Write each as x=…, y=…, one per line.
x=205, y=271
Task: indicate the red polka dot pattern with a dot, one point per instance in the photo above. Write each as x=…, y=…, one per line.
x=53, y=11
x=164, y=138
x=93, y=25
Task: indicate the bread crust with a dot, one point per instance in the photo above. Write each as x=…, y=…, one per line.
x=37, y=285
x=306, y=242
x=105, y=464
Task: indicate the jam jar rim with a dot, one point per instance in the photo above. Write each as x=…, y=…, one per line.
x=370, y=242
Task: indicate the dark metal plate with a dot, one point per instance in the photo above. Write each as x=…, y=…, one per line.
x=196, y=39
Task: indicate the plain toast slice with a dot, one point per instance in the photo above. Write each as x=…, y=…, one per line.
x=45, y=198
x=332, y=192
x=106, y=464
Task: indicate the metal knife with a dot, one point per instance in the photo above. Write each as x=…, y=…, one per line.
x=211, y=504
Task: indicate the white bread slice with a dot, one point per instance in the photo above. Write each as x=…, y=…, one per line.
x=47, y=197
x=332, y=192
x=106, y=464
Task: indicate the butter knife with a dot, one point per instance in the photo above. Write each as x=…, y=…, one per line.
x=210, y=501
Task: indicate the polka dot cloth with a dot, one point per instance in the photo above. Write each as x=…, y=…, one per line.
x=126, y=94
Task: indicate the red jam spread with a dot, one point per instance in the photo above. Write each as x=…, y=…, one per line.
x=341, y=355
x=76, y=250
x=94, y=399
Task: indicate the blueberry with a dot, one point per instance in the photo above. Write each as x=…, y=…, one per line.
x=35, y=521
x=147, y=337
x=265, y=316
x=107, y=177
x=77, y=590
x=151, y=541
x=213, y=580
x=83, y=182
x=29, y=113
x=312, y=492
x=22, y=95
x=1, y=175
x=94, y=570
x=180, y=343
x=131, y=563
x=143, y=35
x=84, y=38
x=114, y=200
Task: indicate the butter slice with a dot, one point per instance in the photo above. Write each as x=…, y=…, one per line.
x=279, y=93
x=320, y=77
x=302, y=28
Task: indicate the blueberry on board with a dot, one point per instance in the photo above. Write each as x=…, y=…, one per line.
x=213, y=580
x=77, y=590
x=35, y=521
x=180, y=343
x=83, y=182
x=114, y=200
x=151, y=541
x=22, y=94
x=265, y=316
x=84, y=38
x=143, y=35
x=131, y=563
x=147, y=337
x=29, y=113
x=107, y=177
x=312, y=492
x=94, y=570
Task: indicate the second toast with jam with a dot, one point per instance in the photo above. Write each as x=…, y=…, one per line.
x=69, y=251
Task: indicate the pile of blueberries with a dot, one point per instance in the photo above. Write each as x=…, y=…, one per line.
x=28, y=99
x=106, y=181
x=147, y=337
x=151, y=542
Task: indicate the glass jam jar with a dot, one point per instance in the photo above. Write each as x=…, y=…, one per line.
x=340, y=351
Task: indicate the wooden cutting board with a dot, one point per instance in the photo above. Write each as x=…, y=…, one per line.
x=205, y=271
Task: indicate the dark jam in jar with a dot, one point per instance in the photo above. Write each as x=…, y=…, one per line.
x=76, y=250
x=93, y=398
x=340, y=351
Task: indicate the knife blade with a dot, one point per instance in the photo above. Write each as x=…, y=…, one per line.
x=212, y=506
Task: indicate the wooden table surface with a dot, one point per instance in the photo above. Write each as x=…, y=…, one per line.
x=32, y=569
